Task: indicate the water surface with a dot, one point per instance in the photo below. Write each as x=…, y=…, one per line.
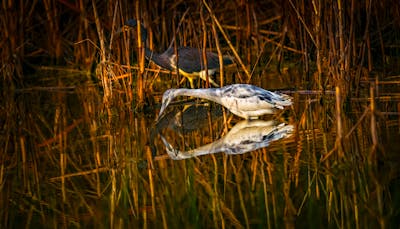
x=69, y=160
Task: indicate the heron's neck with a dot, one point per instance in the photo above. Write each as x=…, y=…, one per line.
x=211, y=148
x=212, y=94
x=143, y=33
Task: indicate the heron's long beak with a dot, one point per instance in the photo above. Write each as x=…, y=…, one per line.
x=129, y=25
x=122, y=29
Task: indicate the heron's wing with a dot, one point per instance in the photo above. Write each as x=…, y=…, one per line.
x=251, y=92
x=213, y=60
x=191, y=60
x=242, y=91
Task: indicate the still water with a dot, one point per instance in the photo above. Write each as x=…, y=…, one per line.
x=69, y=161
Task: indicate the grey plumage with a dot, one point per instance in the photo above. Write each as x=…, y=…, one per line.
x=244, y=100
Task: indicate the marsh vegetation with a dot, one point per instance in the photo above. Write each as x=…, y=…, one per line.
x=81, y=147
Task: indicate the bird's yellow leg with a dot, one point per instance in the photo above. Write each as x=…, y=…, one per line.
x=212, y=82
x=188, y=76
x=204, y=77
x=191, y=82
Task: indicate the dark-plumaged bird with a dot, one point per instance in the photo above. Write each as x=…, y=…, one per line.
x=190, y=61
x=244, y=100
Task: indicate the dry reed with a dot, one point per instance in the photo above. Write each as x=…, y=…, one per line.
x=75, y=142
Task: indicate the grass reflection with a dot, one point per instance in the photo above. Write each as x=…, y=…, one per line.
x=77, y=122
x=68, y=164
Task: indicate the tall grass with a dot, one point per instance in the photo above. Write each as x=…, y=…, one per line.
x=334, y=41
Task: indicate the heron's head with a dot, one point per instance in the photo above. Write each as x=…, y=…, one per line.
x=132, y=23
x=168, y=96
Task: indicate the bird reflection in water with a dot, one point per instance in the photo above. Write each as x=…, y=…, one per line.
x=245, y=136
x=192, y=117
